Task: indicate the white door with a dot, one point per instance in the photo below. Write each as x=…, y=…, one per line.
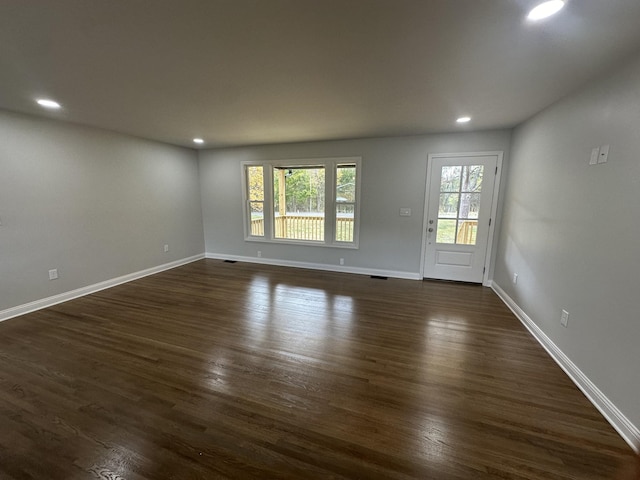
x=460, y=191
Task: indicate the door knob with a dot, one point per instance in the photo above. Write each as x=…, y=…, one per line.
x=430, y=229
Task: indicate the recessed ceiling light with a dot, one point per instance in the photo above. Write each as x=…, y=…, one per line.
x=43, y=102
x=546, y=9
x=198, y=140
x=464, y=120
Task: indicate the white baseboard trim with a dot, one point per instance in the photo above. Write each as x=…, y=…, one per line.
x=80, y=292
x=627, y=430
x=317, y=266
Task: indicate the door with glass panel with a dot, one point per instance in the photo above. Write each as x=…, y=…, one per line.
x=460, y=199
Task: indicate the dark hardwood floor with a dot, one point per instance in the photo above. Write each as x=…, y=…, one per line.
x=219, y=370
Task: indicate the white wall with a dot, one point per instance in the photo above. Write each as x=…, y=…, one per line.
x=93, y=204
x=393, y=176
x=572, y=231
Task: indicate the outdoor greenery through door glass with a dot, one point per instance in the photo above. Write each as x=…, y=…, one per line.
x=460, y=190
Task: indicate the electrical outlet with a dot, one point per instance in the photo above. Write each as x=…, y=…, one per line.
x=604, y=154
x=53, y=274
x=342, y=261
x=515, y=278
x=259, y=254
x=564, y=318
x=166, y=248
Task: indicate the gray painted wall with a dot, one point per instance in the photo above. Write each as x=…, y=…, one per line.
x=93, y=204
x=572, y=231
x=393, y=176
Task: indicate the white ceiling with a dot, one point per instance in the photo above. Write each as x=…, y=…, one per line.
x=239, y=72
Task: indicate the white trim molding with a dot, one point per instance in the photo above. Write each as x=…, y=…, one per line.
x=627, y=430
x=317, y=266
x=89, y=289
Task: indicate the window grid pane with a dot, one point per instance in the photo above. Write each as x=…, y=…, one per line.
x=448, y=205
x=446, y=231
x=345, y=213
x=466, y=233
x=450, y=179
x=469, y=205
x=257, y=218
x=255, y=179
x=472, y=178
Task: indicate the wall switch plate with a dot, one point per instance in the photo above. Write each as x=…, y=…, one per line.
x=405, y=212
x=604, y=154
x=53, y=274
x=515, y=278
x=595, y=156
x=166, y=248
x=564, y=318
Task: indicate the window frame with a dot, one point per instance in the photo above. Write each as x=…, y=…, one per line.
x=247, y=203
x=330, y=165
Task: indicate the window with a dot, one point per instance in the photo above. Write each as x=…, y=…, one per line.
x=255, y=189
x=460, y=190
x=298, y=198
x=303, y=201
x=345, y=202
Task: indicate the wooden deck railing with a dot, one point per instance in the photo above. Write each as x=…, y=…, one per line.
x=467, y=232
x=257, y=227
x=300, y=227
x=344, y=229
x=304, y=227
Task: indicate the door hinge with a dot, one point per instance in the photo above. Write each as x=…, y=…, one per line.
x=483, y=269
x=496, y=170
x=489, y=222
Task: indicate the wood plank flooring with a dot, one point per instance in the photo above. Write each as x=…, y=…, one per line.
x=219, y=370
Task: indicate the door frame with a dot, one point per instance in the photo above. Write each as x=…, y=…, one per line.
x=494, y=207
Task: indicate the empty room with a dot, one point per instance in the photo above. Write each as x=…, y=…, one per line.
x=319, y=239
